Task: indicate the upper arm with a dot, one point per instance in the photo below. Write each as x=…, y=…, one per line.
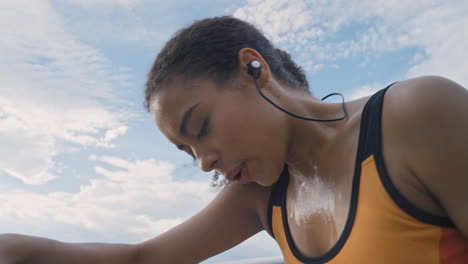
x=229, y=219
x=432, y=120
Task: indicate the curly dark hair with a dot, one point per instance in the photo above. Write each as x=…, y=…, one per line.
x=210, y=47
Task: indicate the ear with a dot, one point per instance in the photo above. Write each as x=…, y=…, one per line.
x=247, y=55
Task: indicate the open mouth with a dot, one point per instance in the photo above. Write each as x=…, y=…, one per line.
x=238, y=175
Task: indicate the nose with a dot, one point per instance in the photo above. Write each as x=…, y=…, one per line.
x=207, y=160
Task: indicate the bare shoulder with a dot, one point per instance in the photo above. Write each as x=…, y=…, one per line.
x=428, y=120
x=413, y=96
x=424, y=104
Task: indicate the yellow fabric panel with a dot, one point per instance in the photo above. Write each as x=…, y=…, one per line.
x=280, y=236
x=384, y=233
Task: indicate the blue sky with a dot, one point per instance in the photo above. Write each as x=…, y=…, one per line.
x=81, y=160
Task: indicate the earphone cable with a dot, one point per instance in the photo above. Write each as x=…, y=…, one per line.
x=302, y=117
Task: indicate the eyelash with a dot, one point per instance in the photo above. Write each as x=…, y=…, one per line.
x=181, y=148
x=204, y=129
x=201, y=134
x=191, y=155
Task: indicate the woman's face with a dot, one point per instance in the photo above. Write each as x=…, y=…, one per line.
x=228, y=129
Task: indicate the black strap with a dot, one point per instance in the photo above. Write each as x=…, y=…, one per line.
x=374, y=147
x=276, y=195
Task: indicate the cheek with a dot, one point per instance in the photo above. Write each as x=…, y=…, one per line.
x=261, y=141
x=255, y=132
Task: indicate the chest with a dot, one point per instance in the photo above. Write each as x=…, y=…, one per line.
x=317, y=210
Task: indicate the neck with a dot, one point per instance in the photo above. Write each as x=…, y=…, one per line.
x=309, y=140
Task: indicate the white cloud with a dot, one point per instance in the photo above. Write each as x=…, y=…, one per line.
x=438, y=29
x=445, y=41
x=137, y=198
x=364, y=91
x=17, y=147
x=129, y=23
x=115, y=133
x=282, y=21
x=310, y=27
x=106, y=3
x=147, y=228
x=54, y=90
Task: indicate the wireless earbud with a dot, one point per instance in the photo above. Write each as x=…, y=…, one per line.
x=254, y=68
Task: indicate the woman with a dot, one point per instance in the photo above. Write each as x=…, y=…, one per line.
x=381, y=179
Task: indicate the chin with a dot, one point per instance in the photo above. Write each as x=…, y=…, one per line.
x=267, y=178
x=265, y=183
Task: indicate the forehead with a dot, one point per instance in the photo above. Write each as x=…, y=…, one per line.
x=170, y=103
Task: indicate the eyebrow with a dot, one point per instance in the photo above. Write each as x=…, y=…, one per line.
x=185, y=119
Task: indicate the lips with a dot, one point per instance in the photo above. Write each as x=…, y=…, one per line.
x=239, y=174
x=231, y=176
x=233, y=173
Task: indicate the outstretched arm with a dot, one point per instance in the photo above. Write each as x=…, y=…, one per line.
x=21, y=249
x=229, y=219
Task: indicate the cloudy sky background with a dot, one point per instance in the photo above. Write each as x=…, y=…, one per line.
x=81, y=160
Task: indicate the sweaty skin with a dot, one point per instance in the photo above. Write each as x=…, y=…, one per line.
x=313, y=202
x=313, y=196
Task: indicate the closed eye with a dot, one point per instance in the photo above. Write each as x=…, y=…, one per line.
x=182, y=148
x=203, y=129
